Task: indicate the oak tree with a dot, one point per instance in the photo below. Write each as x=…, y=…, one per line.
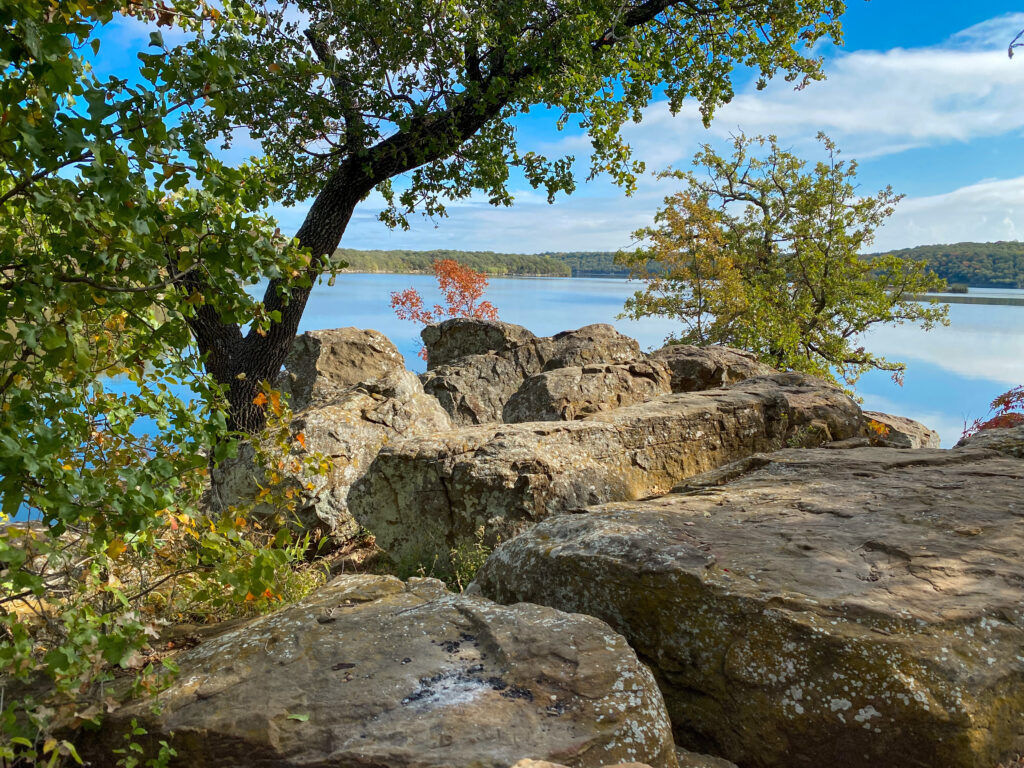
x=344, y=97
x=763, y=252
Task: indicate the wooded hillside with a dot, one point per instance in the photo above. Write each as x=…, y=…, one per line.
x=983, y=265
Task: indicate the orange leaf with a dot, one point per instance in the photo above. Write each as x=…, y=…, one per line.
x=301, y=439
x=260, y=399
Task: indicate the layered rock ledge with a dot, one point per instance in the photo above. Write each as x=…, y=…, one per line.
x=424, y=496
x=862, y=608
x=370, y=671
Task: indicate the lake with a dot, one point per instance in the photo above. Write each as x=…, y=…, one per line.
x=952, y=372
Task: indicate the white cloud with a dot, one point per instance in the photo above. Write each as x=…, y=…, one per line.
x=986, y=211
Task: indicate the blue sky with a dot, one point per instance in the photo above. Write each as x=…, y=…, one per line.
x=922, y=94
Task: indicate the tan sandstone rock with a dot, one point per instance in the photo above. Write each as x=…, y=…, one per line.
x=425, y=496
x=565, y=394
x=462, y=336
x=323, y=364
x=370, y=671
x=473, y=389
x=860, y=608
x=697, y=368
x=350, y=431
x=1009, y=441
x=899, y=432
x=591, y=344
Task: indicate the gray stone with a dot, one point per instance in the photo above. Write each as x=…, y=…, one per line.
x=369, y=671
x=591, y=344
x=862, y=608
x=1009, y=441
x=322, y=364
x=462, y=336
x=425, y=496
x=565, y=394
x=474, y=389
x=697, y=368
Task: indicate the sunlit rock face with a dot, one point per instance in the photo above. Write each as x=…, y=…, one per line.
x=371, y=671
x=424, y=496
x=861, y=608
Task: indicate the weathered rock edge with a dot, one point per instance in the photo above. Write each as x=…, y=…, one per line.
x=370, y=671
x=862, y=608
x=425, y=496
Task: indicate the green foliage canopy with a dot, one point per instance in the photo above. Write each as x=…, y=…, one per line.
x=111, y=210
x=762, y=254
x=343, y=96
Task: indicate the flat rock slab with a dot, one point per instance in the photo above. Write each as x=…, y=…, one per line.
x=370, y=671
x=425, y=496
x=858, y=608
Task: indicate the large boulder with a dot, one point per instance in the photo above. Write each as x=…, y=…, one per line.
x=463, y=336
x=474, y=389
x=862, y=608
x=1009, y=441
x=348, y=430
x=591, y=344
x=697, y=368
x=475, y=366
x=565, y=394
x=370, y=671
x=425, y=496
x=323, y=364
x=898, y=431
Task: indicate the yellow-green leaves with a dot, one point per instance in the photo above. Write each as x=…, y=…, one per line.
x=762, y=252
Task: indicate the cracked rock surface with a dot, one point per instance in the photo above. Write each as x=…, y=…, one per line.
x=862, y=607
x=424, y=496
x=371, y=671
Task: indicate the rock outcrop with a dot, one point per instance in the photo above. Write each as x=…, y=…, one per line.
x=475, y=366
x=566, y=394
x=862, y=608
x=370, y=671
x=461, y=337
x=350, y=431
x=591, y=345
x=475, y=388
x=1009, y=441
x=322, y=364
x=697, y=368
x=898, y=432
x=356, y=396
x=424, y=496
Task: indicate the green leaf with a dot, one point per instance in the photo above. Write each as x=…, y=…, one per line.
x=301, y=718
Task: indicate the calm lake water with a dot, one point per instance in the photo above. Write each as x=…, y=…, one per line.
x=952, y=372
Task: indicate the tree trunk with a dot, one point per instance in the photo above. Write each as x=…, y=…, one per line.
x=241, y=363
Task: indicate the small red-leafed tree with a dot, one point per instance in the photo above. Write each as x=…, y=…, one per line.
x=462, y=289
x=1007, y=410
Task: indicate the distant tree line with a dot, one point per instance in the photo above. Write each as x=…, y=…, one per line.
x=983, y=265
x=488, y=262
